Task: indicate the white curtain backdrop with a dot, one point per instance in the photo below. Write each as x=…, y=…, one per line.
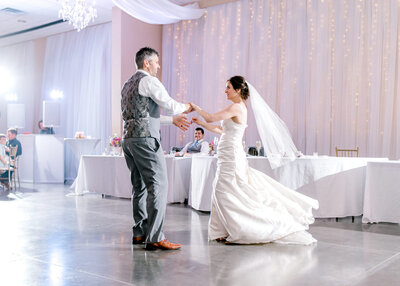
x=159, y=11
x=19, y=60
x=329, y=68
x=79, y=64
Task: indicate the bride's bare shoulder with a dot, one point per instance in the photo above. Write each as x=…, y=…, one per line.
x=235, y=106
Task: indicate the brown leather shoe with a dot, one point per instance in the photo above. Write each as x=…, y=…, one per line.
x=163, y=245
x=138, y=240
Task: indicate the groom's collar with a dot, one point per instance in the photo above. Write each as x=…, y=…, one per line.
x=143, y=71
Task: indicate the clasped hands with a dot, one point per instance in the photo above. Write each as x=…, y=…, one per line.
x=181, y=120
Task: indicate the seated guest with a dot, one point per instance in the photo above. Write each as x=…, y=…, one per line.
x=199, y=145
x=3, y=161
x=45, y=130
x=13, y=141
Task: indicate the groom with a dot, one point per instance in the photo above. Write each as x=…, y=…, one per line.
x=142, y=96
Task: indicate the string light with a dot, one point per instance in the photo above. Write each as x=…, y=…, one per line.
x=352, y=78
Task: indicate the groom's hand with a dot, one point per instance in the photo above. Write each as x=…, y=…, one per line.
x=181, y=122
x=189, y=108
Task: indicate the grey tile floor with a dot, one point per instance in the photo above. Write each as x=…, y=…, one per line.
x=48, y=238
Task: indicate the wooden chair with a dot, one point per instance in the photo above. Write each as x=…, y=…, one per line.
x=346, y=152
x=13, y=167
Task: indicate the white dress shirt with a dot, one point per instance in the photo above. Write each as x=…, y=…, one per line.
x=150, y=86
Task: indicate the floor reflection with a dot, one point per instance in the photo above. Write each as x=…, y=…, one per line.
x=255, y=264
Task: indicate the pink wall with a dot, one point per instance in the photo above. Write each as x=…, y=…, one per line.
x=128, y=36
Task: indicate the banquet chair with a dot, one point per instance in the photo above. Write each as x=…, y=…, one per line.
x=13, y=167
x=253, y=151
x=346, y=152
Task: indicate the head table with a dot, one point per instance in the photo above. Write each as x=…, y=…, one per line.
x=337, y=183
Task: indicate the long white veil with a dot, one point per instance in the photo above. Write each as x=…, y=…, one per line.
x=275, y=136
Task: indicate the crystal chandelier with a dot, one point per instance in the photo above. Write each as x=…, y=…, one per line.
x=77, y=12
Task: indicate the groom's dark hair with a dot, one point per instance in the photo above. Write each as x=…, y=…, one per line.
x=144, y=54
x=200, y=129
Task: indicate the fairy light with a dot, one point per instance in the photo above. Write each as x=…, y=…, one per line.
x=237, y=35
x=269, y=42
x=331, y=8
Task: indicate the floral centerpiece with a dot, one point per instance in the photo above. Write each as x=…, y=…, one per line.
x=115, y=144
x=213, y=146
x=115, y=141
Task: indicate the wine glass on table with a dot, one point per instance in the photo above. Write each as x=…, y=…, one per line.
x=258, y=147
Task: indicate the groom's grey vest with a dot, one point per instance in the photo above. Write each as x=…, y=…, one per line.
x=141, y=114
x=195, y=149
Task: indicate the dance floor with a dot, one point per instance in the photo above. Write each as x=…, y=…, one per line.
x=48, y=238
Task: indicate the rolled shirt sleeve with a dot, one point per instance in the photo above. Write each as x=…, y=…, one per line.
x=150, y=86
x=165, y=120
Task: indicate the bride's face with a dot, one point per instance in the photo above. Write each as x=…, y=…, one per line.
x=231, y=93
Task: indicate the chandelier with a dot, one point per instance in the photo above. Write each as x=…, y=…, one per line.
x=77, y=12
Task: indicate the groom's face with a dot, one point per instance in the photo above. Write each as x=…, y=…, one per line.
x=198, y=135
x=153, y=65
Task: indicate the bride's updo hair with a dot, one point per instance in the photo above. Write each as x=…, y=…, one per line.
x=239, y=82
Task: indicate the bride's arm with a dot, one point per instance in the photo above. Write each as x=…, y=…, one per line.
x=210, y=127
x=229, y=112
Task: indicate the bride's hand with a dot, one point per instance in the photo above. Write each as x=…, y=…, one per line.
x=197, y=121
x=194, y=106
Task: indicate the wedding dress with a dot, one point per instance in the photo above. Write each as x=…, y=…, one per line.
x=250, y=207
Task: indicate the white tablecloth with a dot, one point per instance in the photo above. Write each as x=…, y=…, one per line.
x=106, y=175
x=42, y=159
x=382, y=192
x=178, y=169
x=109, y=175
x=202, y=177
x=337, y=183
x=78, y=147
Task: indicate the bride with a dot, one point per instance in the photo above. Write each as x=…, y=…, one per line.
x=247, y=205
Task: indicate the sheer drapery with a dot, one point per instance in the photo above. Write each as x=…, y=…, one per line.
x=79, y=64
x=158, y=11
x=328, y=68
x=19, y=61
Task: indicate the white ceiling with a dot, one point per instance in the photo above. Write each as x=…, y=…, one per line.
x=37, y=13
x=42, y=12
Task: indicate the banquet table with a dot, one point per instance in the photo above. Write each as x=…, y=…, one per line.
x=109, y=175
x=336, y=182
x=79, y=147
x=178, y=169
x=382, y=192
x=42, y=159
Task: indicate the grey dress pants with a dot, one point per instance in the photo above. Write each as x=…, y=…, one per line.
x=145, y=160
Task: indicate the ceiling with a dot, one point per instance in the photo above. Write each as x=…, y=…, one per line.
x=35, y=13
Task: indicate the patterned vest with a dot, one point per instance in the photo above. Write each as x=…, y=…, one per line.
x=141, y=114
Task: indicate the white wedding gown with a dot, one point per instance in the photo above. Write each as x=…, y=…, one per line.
x=250, y=207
